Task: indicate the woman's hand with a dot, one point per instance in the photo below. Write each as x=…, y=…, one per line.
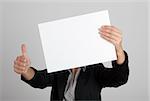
x=22, y=64
x=114, y=36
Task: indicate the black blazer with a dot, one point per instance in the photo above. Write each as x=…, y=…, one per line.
x=89, y=84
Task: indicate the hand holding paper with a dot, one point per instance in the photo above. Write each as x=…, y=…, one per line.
x=114, y=36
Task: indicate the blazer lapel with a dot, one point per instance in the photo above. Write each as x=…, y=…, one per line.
x=61, y=83
x=81, y=82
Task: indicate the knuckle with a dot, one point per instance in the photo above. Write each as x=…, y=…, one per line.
x=15, y=70
x=18, y=63
x=22, y=68
x=18, y=58
x=15, y=66
x=15, y=62
x=21, y=64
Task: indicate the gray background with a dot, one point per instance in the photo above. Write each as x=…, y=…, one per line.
x=18, y=24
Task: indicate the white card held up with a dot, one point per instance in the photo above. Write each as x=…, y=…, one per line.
x=74, y=42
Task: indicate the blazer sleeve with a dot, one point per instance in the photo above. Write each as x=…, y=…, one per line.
x=41, y=79
x=115, y=76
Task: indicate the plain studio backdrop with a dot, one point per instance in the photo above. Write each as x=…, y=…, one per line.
x=19, y=24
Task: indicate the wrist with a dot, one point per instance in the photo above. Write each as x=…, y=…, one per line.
x=119, y=49
x=120, y=55
x=29, y=74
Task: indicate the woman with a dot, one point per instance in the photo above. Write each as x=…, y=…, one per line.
x=82, y=83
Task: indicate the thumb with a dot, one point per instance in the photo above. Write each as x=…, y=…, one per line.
x=24, y=50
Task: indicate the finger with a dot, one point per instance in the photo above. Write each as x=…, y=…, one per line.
x=22, y=64
x=15, y=62
x=116, y=29
x=111, y=36
x=23, y=59
x=108, y=39
x=19, y=67
x=111, y=31
x=18, y=71
x=113, y=28
x=18, y=58
x=24, y=50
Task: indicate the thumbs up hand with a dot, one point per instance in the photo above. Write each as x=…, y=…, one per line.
x=22, y=62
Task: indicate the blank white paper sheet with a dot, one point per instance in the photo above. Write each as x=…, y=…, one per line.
x=74, y=42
